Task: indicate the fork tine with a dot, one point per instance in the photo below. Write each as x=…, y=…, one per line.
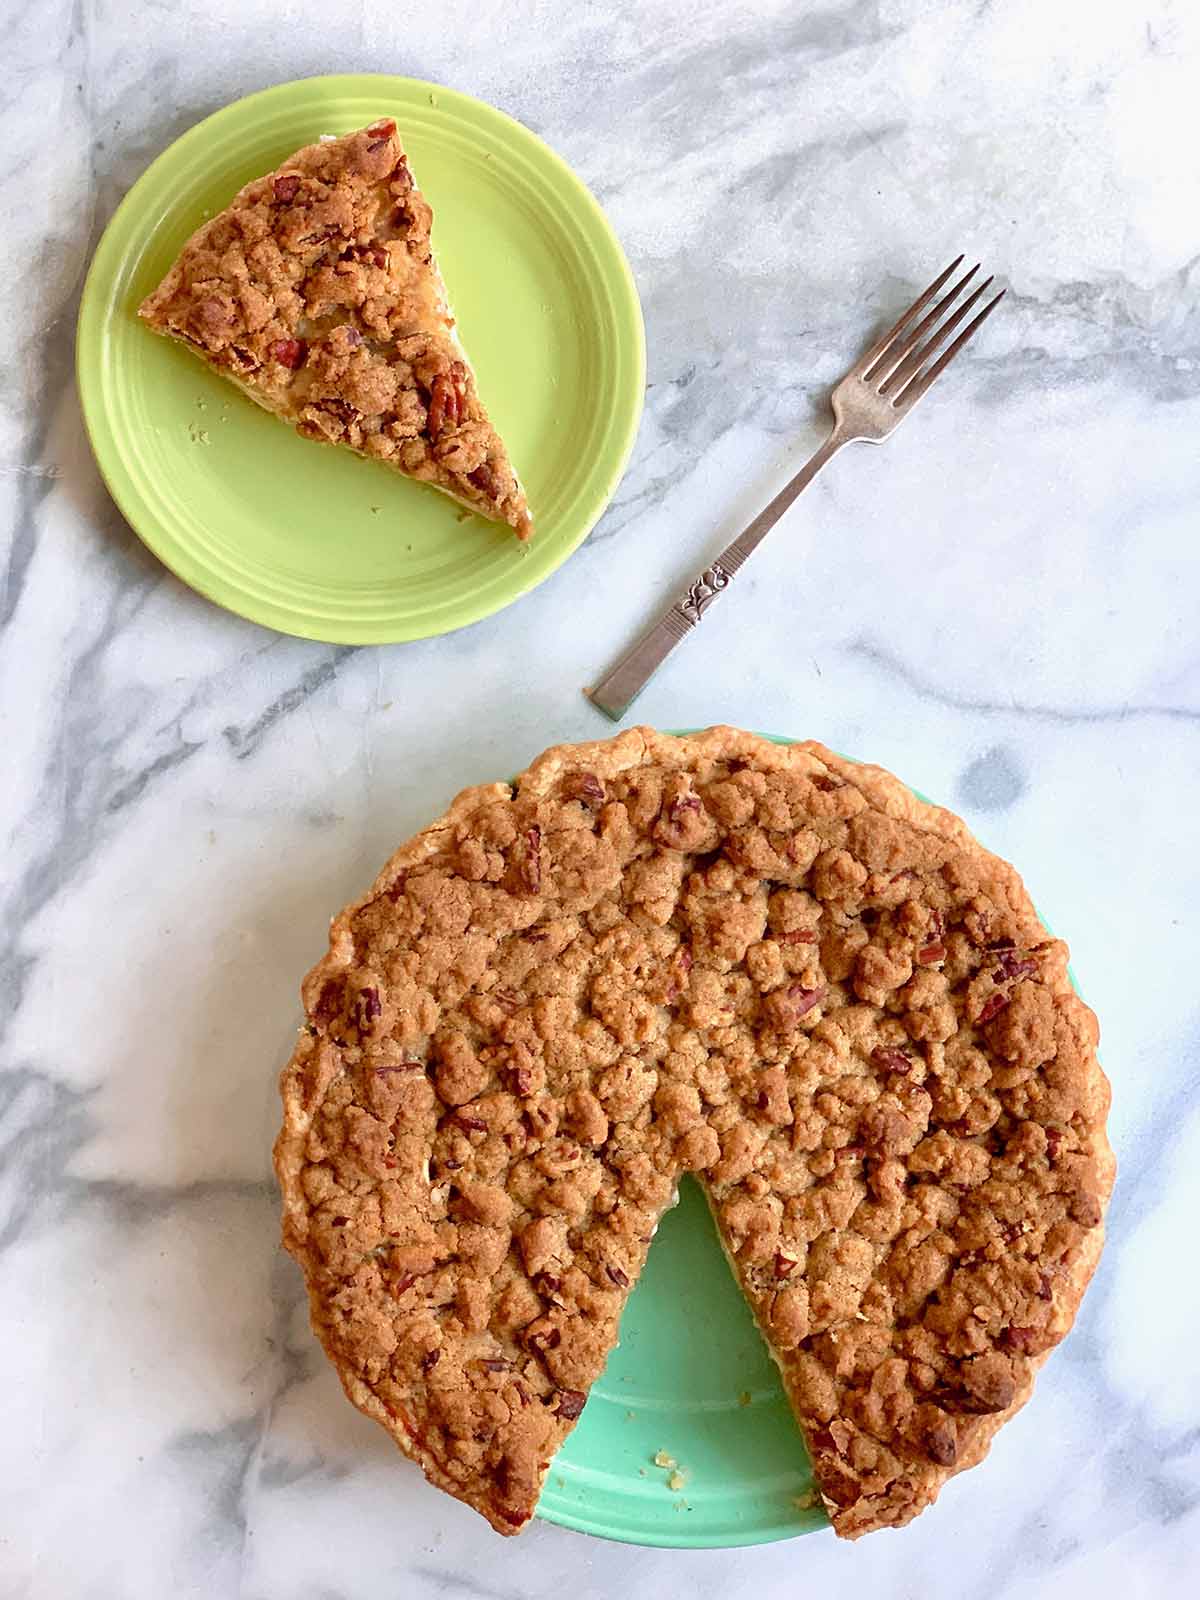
x=914, y=310
x=919, y=353
x=918, y=384
x=884, y=369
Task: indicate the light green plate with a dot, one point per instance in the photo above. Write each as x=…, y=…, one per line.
x=310, y=539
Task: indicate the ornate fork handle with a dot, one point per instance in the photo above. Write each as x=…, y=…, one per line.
x=619, y=688
x=704, y=591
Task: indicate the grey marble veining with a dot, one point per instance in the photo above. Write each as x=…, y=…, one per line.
x=1001, y=605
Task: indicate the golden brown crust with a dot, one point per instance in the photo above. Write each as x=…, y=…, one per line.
x=317, y=293
x=763, y=964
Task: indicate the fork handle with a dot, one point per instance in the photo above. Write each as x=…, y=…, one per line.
x=618, y=689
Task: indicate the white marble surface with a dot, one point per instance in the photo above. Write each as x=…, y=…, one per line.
x=186, y=797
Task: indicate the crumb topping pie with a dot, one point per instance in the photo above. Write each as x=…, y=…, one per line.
x=767, y=966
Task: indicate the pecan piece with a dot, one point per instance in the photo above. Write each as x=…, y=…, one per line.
x=992, y=1007
x=941, y=1441
x=441, y=404
x=541, y=1339
x=582, y=786
x=570, y=1403
x=485, y=480
x=380, y=132
x=1025, y=1341
x=329, y=1001
x=446, y=400
x=289, y=353
x=1010, y=968
x=785, y=1007
x=469, y=1124
x=367, y=1007
x=407, y=1065
x=519, y=1081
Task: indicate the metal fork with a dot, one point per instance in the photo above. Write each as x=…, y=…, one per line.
x=872, y=399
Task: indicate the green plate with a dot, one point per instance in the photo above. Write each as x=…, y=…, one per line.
x=312, y=540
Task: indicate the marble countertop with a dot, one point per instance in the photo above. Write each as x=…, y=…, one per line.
x=186, y=797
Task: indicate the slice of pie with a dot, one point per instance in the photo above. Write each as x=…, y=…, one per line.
x=767, y=966
x=317, y=292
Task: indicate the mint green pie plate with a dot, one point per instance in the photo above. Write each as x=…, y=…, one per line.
x=691, y=1379
x=309, y=539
